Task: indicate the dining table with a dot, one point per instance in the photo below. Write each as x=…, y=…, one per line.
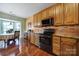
x=5, y=37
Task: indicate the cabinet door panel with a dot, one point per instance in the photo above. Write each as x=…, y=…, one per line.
x=39, y=19
x=44, y=14
x=70, y=13
x=32, y=38
x=56, y=50
x=68, y=46
x=35, y=20
x=71, y=20
x=36, y=40
x=52, y=11
x=69, y=9
x=59, y=14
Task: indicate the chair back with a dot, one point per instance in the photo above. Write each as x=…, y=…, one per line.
x=0, y=38
x=16, y=34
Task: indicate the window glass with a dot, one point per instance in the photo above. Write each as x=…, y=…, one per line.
x=17, y=26
x=9, y=26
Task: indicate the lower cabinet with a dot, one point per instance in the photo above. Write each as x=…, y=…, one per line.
x=65, y=46
x=61, y=46
x=56, y=45
x=68, y=47
x=32, y=38
x=36, y=38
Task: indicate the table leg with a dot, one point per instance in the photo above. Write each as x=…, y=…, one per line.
x=18, y=41
x=5, y=44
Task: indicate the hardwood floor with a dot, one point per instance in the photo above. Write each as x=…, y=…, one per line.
x=23, y=49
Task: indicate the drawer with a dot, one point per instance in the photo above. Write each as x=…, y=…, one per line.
x=68, y=41
x=56, y=50
x=56, y=40
x=56, y=45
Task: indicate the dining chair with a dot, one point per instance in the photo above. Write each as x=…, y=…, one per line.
x=16, y=36
x=2, y=40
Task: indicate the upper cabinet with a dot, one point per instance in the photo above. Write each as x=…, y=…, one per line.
x=58, y=19
x=44, y=14
x=52, y=11
x=29, y=23
x=70, y=13
x=62, y=14
x=37, y=19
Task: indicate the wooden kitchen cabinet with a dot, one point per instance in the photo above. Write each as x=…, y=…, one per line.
x=32, y=40
x=70, y=9
x=36, y=38
x=35, y=20
x=47, y=12
x=70, y=20
x=52, y=12
x=39, y=19
x=68, y=47
x=70, y=13
x=29, y=23
x=44, y=14
x=56, y=45
x=59, y=9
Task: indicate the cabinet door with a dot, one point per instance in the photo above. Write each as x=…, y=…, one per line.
x=35, y=20
x=44, y=14
x=39, y=19
x=36, y=40
x=52, y=12
x=77, y=47
x=70, y=13
x=68, y=46
x=47, y=12
x=29, y=21
x=32, y=38
x=56, y=45
x=58, y=20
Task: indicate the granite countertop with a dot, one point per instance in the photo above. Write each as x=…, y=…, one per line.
x=71, y=32
x=69, y=36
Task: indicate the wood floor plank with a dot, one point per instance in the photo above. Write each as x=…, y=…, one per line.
x=24, y=49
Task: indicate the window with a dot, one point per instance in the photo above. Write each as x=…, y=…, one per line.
x=17, y=26
x=8, y=26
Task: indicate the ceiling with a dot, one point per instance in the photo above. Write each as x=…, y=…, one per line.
x=23, y=10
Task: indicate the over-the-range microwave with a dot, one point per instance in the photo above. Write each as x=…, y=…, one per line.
x=48, y=22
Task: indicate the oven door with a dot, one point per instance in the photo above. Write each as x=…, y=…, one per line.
x=45, y=40
x=45, y=47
